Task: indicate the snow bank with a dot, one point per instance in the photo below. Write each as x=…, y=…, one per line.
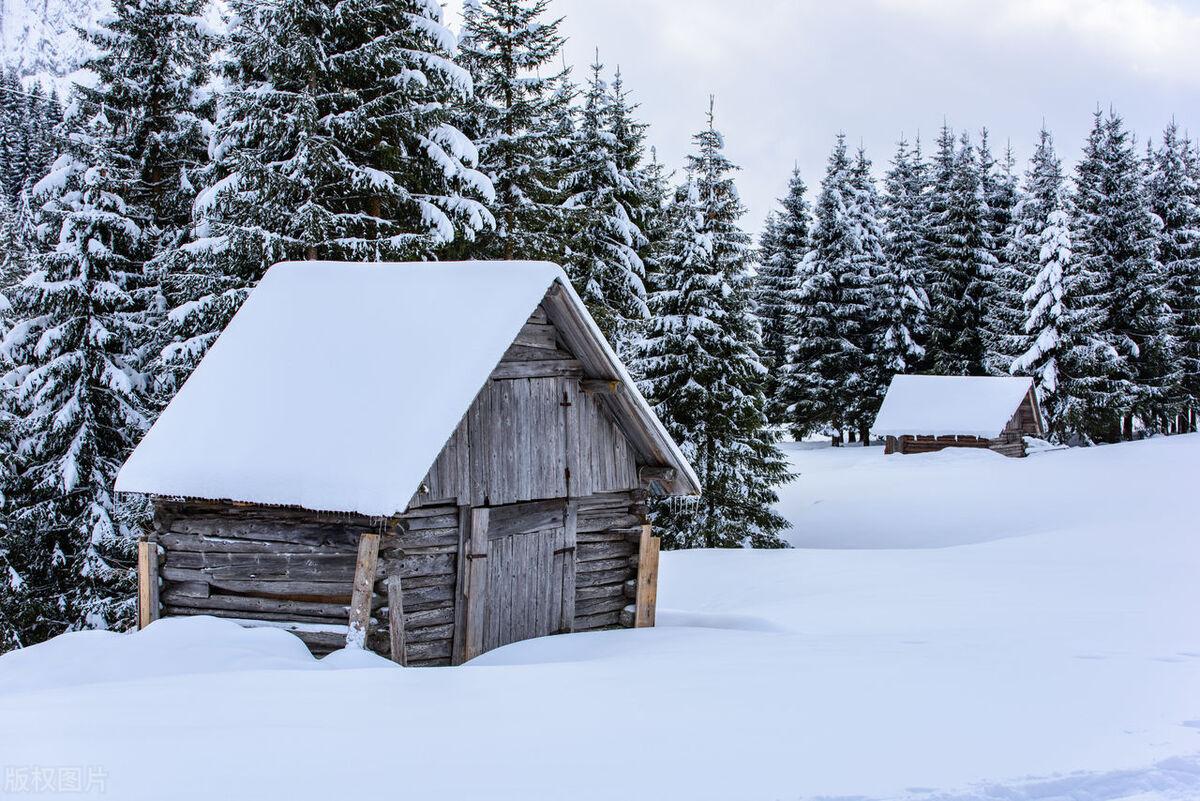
x=171, y=647
x=1063, y=664
x=939, y=405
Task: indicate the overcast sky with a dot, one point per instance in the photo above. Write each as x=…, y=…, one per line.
x=789, y=74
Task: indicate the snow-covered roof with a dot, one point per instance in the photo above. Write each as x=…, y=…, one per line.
x=336, y=385
x=940, y=405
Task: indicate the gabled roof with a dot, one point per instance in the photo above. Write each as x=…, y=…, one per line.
x=336, y=385
x=939, y=405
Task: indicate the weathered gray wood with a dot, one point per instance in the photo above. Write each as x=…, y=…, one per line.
x=548, y=368
x=536, y=335
x=395, y=604
x=617, y=576
x=460, y=595
x=592, y=551
x=601, y=621
x=476, y=556
x=600, y=386
x=364, y=587
x=568, y=568
x=250, y=605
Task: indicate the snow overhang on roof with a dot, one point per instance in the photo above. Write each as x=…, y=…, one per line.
x=336, y=385
x=936, y=405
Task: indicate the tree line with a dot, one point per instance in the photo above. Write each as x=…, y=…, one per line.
x=1090, y=285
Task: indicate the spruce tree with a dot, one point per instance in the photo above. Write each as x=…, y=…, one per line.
x=902, y=302
x=1172, y=193
x=506, y=46
x=1117, y=241
x=1040, y=256
x=827, y=367
x=334, y=141
x=867, y=388
x=603, y=256
x=1003, y=307
x=700, y=366
x=782, y=247
x=75, y=397
x=961, y=260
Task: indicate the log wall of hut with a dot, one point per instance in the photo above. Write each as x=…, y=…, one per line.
x=535, y=448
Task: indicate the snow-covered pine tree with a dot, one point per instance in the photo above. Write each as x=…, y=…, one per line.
x=866, y=390
x=509, y=49
x=1172, y=193
x=152, y=68
x=603, y=255
x=1003, y=307
x=827, y=367
x=74, y=391
x=333, y=141
x=700, y=367
x=902, y=303
x=1040, y=255
x=782, y=247
x=1116, y=240
x=14, y=133
x=960, y=261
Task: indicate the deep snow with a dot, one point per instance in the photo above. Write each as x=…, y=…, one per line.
x=1055, y=656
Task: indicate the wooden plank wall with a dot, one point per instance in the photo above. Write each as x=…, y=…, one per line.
x=524, y=430
x=294, y=569
x=1009, y=443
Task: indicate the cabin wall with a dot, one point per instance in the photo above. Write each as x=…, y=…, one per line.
x=1009, y=443
x=532, y=433
x=294, y=569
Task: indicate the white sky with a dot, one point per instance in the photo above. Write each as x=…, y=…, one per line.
x=789, y=74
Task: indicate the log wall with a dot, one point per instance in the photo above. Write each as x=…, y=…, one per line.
x=294, y=569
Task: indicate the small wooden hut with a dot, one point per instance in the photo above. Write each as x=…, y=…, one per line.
x=924, y=413
x=430, y=459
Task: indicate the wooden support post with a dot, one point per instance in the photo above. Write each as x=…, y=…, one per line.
x=148, y=606
x=647, y=579
x=364, y=589
x=395, y=602
x=475, y=554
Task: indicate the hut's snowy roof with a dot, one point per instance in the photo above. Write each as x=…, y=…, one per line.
x=336, y=385
x=938, y=405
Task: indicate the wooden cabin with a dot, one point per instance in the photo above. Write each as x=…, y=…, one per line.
x=431, y=460
x=924, y=413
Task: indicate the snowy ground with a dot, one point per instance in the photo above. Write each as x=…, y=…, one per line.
x=1051, y=651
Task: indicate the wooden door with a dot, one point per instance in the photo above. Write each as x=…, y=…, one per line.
x=516, y=582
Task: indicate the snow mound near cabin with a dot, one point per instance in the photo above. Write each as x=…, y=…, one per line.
x=169, y=647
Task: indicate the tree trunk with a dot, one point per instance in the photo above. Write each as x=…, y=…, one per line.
x=864, y=434
x=837, y=439
x=1127, y=427
x=852, y=436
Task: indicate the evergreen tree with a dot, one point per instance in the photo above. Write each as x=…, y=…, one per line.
x=782, y=247
x=961, y=260
x=868, y=388
x=1040, y=256
x=902, y=303
x=505, y=46
x=1117, y=242
x=334, y=141
x=827, y=366
x=1003, y=309
x=1173, y=194
x=69, y=545
x=701, y=369
x=603, y=255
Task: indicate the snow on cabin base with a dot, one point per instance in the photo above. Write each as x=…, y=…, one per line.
x=1054, y=656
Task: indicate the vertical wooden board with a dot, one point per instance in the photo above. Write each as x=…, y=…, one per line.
x=477, y=437
x=364, y=590
x=147, y=573
x=396, y=633
x=572, y=446
x=647, y=579
x=463, y=473
x=567, y=576
x=459, y=645
x=477, y=582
